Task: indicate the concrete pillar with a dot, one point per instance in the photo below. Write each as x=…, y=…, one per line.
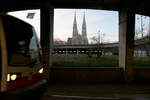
x=66, y=52
x=77, y=51
x=126, y=42
x=47, y=22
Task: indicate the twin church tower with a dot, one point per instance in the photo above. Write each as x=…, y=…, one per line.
x=78, y=39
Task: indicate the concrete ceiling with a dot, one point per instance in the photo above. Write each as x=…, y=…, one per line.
x=139, y=6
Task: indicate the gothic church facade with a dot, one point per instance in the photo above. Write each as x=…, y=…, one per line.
x=78, y=39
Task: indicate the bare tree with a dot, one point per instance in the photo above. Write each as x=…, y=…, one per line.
x=98, y=40
x=147, y=47
x=141, y=31
x=58, y=41
x=137, y=33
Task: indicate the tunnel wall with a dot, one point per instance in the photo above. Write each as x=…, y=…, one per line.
x=86, y=75
x=142, y=75
x=95, y=75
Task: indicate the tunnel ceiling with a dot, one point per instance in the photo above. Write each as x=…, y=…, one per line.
x=139, y=6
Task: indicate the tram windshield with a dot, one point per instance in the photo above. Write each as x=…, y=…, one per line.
x=22, y=44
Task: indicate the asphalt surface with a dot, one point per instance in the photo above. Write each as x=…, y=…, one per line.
x=98, y=92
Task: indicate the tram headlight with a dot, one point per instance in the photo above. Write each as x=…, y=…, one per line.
x=8, y=77
x=40, y=71
x=13, y=77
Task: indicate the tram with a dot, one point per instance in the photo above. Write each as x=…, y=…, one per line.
x=21, y=67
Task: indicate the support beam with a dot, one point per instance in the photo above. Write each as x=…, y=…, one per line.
x=126, y=42
x=66, y=52
x=47, y=22
x=77, y=51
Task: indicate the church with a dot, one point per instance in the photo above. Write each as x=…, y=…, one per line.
x=78, y=39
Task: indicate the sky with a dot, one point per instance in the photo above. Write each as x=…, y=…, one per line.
x=105, y=22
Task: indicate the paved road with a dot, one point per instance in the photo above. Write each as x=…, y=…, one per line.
x=98, y=92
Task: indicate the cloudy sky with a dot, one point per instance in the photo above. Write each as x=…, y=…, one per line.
x=105, y=21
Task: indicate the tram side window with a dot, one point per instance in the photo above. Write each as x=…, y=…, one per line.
x=34, y=48
x=19, y=37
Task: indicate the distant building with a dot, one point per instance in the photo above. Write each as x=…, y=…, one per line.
x=69, y=41
x=76, y=37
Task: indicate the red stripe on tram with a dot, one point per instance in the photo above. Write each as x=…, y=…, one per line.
x=26, y=80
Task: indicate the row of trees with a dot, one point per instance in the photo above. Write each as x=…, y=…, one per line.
x=97, y=39
x=142, y=31
x=142, y=28
x=58, y=41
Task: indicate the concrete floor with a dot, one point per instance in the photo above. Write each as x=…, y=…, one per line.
x=98, y=92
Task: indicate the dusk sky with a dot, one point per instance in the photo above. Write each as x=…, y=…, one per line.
x=105, y=21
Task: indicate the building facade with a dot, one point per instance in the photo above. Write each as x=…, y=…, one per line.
x=78, y=39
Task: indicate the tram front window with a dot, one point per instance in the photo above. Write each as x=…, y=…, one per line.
x=20, y=43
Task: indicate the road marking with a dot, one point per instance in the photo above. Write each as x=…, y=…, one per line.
x=85, y=97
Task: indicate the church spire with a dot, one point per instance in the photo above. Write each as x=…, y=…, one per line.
x=75, y=35
x=75, y=22
x=84, y=23
x=75, y=29
x=84, y=32
x=84, y=26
